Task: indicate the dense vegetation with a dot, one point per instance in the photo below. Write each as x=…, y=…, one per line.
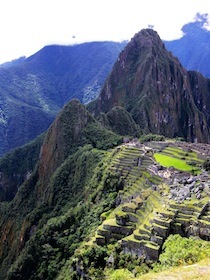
x=79, y=198
x=151, y=137
x=54, y=210
x=17, y=166
x=121, y=122
x=190, y=250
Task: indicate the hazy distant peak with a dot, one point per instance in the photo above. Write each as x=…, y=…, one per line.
x=200, y=24
x=14, y=62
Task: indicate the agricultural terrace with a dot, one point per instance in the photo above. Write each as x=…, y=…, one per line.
x=179, y=159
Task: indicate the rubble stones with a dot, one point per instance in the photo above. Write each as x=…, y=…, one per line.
x=185, y=188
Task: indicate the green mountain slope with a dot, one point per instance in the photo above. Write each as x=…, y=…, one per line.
x=17, y=166
x=68, y=181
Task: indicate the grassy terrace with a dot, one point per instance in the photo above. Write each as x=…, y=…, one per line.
x=179, y=153
x=179, y=159
x=169, y=161
x=146, y=215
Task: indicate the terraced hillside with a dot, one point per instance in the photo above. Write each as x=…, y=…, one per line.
x=163, y=191
x=132, y=164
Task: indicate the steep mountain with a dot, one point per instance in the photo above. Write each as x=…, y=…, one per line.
x=34, y=89
x=158, y=93
x=192, y=48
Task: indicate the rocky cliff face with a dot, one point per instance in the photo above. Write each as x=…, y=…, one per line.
x=63, y=137
x=161, y=96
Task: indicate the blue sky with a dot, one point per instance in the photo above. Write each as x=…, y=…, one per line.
x=28, y=25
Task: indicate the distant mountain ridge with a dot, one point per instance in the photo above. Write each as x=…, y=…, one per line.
x=192, y=48
x=14, y=62
x=33, y=90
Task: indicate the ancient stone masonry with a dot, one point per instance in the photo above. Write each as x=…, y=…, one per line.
x=202, y=149
x=186, y=188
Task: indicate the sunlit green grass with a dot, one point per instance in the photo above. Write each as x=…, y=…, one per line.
x=198, y=271
x=168, y=161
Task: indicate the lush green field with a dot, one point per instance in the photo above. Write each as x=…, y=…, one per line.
x=199, y=271
x=168, y=161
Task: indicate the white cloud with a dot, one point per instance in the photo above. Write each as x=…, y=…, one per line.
x=28, y=25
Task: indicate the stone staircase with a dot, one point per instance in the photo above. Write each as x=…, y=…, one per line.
x=153, y=229
x=123, y=224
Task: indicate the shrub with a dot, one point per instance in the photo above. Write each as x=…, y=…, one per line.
x=206, y=165
x=151, y=137
x=120, y=274
x=179, y=250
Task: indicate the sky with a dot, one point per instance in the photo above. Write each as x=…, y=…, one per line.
x=26, y=26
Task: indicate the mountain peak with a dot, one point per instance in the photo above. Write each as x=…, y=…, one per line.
x=151, y=84
x=147, y=38
x=63, y=135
